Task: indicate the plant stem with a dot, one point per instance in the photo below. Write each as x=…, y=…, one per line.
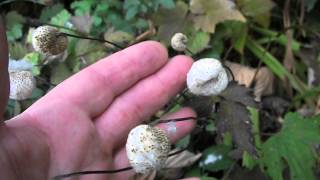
x=94, y=39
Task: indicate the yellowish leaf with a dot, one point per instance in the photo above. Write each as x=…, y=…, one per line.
x=208, y=13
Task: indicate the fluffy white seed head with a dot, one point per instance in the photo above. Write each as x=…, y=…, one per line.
x=49, y=40
x=147, y=148
x=207, y=77
x=179, y=42
x=22, y=83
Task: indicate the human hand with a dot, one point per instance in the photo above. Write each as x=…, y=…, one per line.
x=83, y=123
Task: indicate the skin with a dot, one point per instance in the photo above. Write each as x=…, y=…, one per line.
x=83, y=123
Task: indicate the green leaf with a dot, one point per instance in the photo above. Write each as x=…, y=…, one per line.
x=275, y=66
x=293, y=146
x=208, y=13
x=17, y=50
x=184, y=142
x=35, y=59
x=82, y=7
x=198, y=42
x=215, y=158
x=50, y=11
x=14, y=33
x=61, y=18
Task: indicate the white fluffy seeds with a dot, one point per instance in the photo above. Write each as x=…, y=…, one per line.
x=22, y=83
x=179, y=42
x=49, y=40
x=147, y=148
x=207, y=77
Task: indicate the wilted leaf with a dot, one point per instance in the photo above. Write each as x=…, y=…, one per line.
x=262, y=79
x=60, y=73
x=171, y=21
x=117, y=37
x=235, y=118
x=259, y=10
x=239, y=93
x=208, y=13
x=201, y=104
x=198, y=42
x=293, y=145
x=215, y=158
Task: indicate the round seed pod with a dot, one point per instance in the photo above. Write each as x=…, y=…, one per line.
x=179, y=42
x=147, y=148
x=22, y=83
x=207, y=77
x=49, y=40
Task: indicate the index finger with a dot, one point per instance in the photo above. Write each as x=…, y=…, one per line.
x=94, y=88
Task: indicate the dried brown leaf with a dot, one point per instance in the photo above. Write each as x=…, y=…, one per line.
x=262, y=79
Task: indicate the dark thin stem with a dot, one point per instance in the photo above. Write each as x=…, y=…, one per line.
x=189, y=51
x=80, y=173
x=230, y=71
x=45, y=81
x=94, y=39
x=91, y=172
x=178, y=119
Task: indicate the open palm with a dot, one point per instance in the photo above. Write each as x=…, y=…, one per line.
x=83, y=123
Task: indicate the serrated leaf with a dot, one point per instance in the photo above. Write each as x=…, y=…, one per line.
x=50, y=11
x=198, y=42
x=61, y=18
x=235, y=118
x=171, y=21
x=215, y=158
x=293, y=145
x=208, y=13
x=239, y=93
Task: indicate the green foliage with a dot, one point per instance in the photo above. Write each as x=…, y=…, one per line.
x=293, y=146
x=134, y=7
x=14, y=25
x=215, y=158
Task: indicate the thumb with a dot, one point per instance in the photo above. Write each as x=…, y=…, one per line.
x=4, y=76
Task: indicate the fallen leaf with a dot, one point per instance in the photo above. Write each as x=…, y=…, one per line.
x=262, y=81
x=208, y=13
